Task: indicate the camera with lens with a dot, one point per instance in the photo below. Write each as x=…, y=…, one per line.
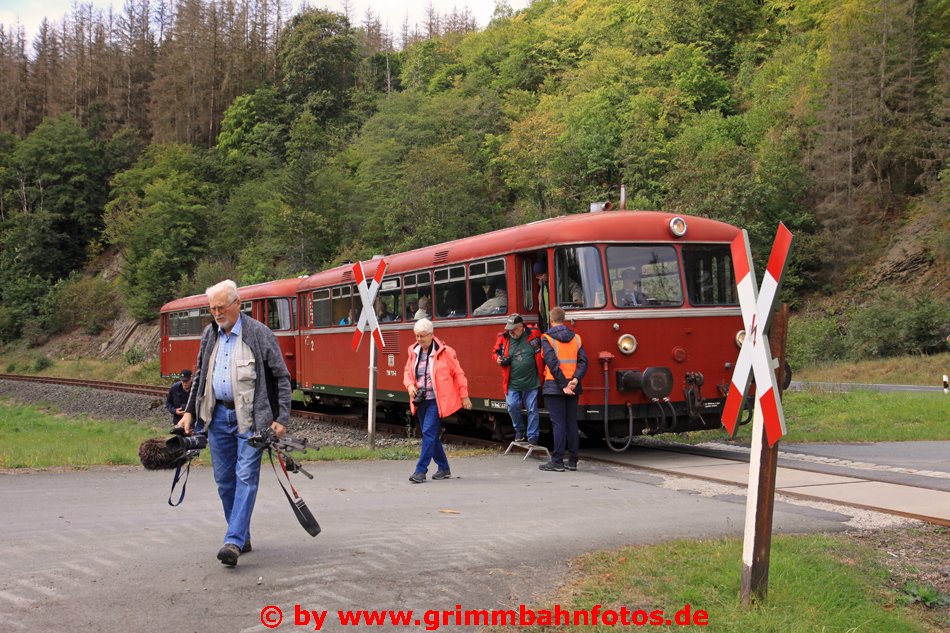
x=505, y=360
x=181, y=443
x=420, y=397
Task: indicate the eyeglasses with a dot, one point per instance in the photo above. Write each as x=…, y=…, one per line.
x=216, y=309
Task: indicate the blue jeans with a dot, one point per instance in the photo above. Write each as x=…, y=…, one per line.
x=563, y=412
x=528, y=399
x=428, y=413
x=237, y=471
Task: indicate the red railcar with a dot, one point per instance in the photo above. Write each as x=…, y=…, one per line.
x=663, y=364
x=273, y=303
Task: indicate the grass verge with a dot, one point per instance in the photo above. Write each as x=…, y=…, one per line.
x=817, y=583
x=35, y=438
x=898, y=370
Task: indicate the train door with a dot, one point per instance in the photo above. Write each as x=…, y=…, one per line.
x=531, y=277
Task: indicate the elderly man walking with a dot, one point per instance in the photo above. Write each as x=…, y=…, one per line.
x=518, y=352
x=241, y=387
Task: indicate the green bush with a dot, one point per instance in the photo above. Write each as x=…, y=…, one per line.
x=40, y=363
x=812, y=341
x=134, y=355
x=9, y=325
x=87, y=302
x=889, y=325
x=893, y=325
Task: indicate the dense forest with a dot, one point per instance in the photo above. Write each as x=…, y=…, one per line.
x=188, y=140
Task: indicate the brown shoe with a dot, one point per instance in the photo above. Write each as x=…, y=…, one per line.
x=247, y=547
x=229, y=554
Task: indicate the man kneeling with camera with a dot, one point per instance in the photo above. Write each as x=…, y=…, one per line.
x=241, y=389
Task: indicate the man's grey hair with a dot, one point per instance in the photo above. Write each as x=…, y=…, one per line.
x=423, y=326
x=228, y=285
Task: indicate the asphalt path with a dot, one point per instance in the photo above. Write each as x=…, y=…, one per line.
x=100, y=550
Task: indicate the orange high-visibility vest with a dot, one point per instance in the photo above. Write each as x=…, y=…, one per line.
x=566, y=356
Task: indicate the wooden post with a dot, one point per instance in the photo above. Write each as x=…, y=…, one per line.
x=762, y=472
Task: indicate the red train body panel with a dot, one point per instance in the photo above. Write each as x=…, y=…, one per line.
x=182, y=321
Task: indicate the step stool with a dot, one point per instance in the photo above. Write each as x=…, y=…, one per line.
x=530, y=448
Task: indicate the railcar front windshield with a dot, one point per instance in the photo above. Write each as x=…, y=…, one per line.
x=710, y=280
x=644, y=276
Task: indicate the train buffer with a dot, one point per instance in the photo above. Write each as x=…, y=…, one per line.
x=529, y=448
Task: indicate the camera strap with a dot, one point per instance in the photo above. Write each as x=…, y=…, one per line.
x=301, y=511
x=184, y=482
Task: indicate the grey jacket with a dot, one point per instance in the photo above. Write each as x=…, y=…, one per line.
x=261, y=382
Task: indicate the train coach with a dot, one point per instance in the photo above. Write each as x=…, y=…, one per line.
x=182, y=321
x=660, y=362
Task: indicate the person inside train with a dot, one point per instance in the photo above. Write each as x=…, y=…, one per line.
x=383, y=315
x=412, y=306
x=497, y=301
x=544, y=294
x=630, y=295
x=423, y=311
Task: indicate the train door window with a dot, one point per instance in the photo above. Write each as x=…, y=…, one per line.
x=322, y=311
x=527, y=284
x=644, y=276
x=579, y=278
x=173, y=324
x=709, y=274
x=389, y=301
x=194, y=323
x=343, y=311
x=488, y=287
x=278, y=314
x=418, y=291
x=450, y=301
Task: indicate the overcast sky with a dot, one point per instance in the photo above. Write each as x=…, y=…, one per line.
x=31, y=12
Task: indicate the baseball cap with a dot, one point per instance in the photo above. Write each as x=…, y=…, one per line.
x=185, y=374
x=513, y=320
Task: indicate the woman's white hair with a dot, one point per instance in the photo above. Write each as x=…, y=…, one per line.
x=423, y=326
x=221, y=286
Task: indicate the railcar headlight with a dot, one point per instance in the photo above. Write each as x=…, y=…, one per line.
x=627, y=344
x=678, y=226
x=740, y=338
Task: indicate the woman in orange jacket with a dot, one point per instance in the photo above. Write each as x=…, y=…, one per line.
x=437, y=388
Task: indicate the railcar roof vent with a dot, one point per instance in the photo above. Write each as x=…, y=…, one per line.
x=440, y=257
x=348, y=275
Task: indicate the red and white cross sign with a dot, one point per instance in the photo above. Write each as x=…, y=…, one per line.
x=368, y=289
x=755, y=357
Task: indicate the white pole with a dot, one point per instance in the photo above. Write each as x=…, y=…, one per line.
x=371, y=418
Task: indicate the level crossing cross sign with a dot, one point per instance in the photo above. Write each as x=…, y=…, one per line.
x=755, y=357
x=368, y=289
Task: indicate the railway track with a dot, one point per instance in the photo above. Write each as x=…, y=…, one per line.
x=886, y=493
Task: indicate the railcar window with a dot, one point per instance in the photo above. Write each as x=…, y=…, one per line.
x=343, y=311
x=279, y=315
x=322, y=311
x=418, y=290
x=710, y=279
x=247, y=307
x=194, y=323
x=644, y=276
x=450, y=301
x=389, y=302
x=488, y=286
x=204, y=319
x=579, y=278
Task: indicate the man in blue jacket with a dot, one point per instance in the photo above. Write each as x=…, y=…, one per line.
x=565, y=364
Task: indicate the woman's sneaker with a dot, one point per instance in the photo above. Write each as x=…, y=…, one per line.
x=552, y=467
x=572, y=466
x=417, y=477
x=442, y=474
